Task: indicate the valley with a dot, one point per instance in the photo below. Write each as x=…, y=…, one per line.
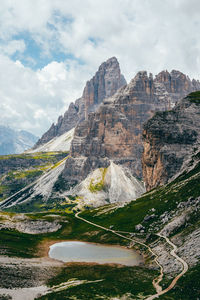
x=127, y=176
x=110, y=224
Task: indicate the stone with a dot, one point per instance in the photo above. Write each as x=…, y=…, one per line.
x=149, y=217
x=107, y=80
x=114, y=131
x=139, y=227
x=169, y=141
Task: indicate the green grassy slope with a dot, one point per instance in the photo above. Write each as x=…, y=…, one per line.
x=19, y=170
x=116, y=282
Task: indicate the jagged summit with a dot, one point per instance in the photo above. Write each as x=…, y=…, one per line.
x=114, y=131
x=106, y=81
x=176, y=81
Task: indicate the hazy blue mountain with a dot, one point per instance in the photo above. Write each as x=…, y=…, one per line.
x=13, y=141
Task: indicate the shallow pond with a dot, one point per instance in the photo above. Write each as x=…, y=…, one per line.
x=74, y=251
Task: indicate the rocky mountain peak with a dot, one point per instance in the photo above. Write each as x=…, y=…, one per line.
x=114, y=131
x=142, y=82
x=111, y=63
x=141, y=74
x=163, y=76
x=106, y=81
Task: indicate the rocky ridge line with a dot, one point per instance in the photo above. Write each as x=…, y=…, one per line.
x=107, y=80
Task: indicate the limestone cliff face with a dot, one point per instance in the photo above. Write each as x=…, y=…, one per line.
x=175, y=85
x=170, y=139
x=104, y=84
x=107, y=80
x=114, y=131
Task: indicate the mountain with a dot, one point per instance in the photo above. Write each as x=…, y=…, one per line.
x=13, y=141
x=162, y=224
x=105, y=159
x=171, y=138
x=107, y=80
x=42, y=205
x=114, y=131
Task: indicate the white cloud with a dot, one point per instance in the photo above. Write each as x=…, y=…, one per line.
x=144, y=35
x=32, y=100
x=12, y=47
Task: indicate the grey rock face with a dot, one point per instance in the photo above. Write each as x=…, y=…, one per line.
x=139, y=227
x=114, y=131
x=190, y=250
x=107, y=80
x=175, y=85
x=170, y=138
x=170, y=265
x=32, y=227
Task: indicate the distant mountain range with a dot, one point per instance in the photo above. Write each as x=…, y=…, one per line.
x=14, y=141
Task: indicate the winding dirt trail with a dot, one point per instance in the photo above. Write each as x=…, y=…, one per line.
x=174, y=281
x=158, y=279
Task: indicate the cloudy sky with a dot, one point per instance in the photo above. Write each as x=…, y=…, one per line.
x=50, y=48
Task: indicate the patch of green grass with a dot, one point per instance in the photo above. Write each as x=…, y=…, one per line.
x=15, y=243
x=194, y=97
x=58, y=163
x=37, y=155
x=99, y=186
x=24, y=174
x=37, y=204
x=3, y=188
x=18, y=244
x=117, y=281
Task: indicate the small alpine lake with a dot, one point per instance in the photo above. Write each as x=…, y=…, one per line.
x=74, y=251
